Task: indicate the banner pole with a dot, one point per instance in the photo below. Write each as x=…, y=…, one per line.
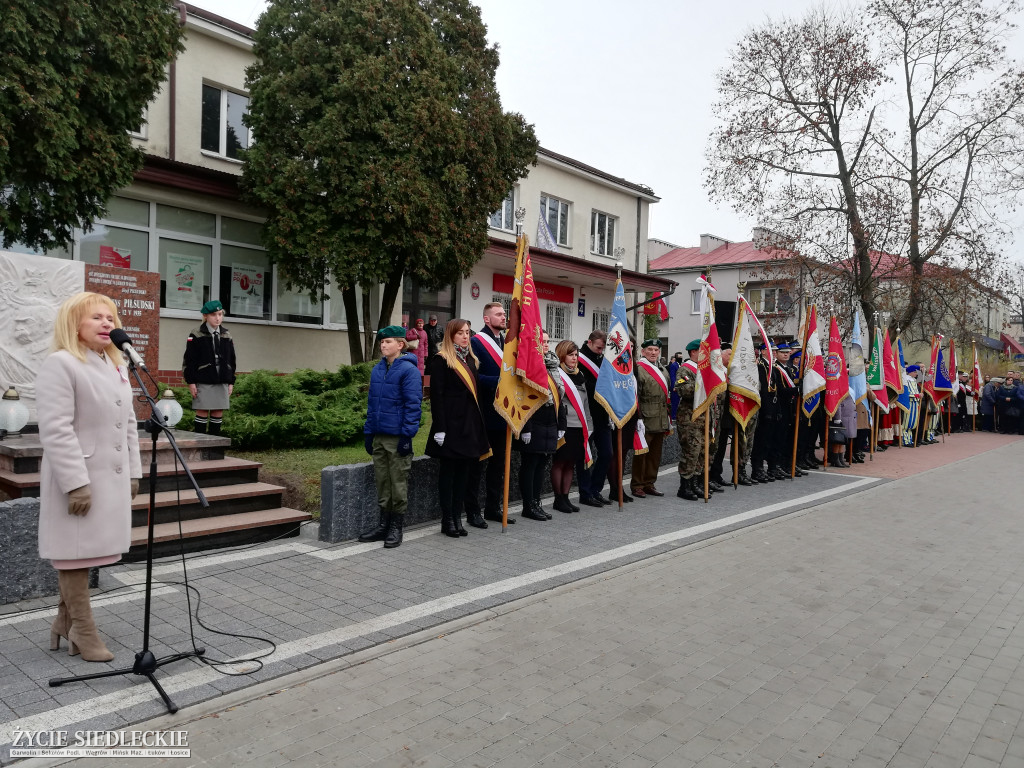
x=874, y=430
x=736, y=454
x=828, y=424
x=618, y=457
x=707, y=441
x=508, y=462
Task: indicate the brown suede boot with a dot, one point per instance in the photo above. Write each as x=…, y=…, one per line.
x=60, y=625
x=82, y=635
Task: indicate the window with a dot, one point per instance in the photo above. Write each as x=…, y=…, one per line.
x=695, y=302
x=769, y=300
x=557, y=324
x=223, y=131
x=602, y=319
x=556, y=213
x=602, y=234
x=140, y=131
x=503, y=218
x=506, y=302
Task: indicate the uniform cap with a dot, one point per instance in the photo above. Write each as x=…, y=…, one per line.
x=652, y=343
x=693, y=346
x=392, y=332
x=211, y=306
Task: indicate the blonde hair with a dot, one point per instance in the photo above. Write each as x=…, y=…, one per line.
x=446, y=348
x=70, y=316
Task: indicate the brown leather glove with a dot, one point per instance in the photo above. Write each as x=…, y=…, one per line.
x=135, y=487
x=79, y=501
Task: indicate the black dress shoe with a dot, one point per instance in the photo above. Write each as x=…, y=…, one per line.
x=533, y=514
x=744, y=480
x=497, y=518
x=715, y=487
x=590, y=501
x=626, y=498
x=476, y=520
x=761, y=477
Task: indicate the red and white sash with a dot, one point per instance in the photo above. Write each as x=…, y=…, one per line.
x=639, y=442
x=590, y=365
x=656, y=373
x=491, y=346
x=785, y=376
x=573, y=396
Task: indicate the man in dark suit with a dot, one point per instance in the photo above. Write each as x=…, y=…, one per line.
x=488, y=346
x=591, y=355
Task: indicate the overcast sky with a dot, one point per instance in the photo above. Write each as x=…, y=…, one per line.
x=625, y=87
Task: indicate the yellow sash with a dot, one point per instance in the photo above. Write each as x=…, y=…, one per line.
x=470, y=381
x=557, y=402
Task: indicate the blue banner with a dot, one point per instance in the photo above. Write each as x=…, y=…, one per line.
x=616, y=387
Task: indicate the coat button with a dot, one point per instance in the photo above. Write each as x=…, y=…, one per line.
x=118, y=425
x=117, y=402
x=117, y=447
x=118, y=470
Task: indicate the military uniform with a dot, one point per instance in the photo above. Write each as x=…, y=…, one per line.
x=691, y=433
x=653, y=406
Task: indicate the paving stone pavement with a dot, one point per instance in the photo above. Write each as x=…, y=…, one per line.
x=876, y=629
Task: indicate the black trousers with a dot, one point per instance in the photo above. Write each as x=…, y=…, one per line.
x=725, y=437
x=451, y=484
x=531, y=475
x=495, y=477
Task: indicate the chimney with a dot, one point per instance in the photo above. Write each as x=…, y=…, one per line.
x=708, y=243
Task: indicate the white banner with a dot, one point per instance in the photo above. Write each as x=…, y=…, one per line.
x=247, y=290
x=185, y=278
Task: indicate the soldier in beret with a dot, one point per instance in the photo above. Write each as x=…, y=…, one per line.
x=653, y=402
x=691, y=434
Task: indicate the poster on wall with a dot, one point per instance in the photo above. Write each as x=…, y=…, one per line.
x=247, y=290
x=185, y=277
x=115, y=257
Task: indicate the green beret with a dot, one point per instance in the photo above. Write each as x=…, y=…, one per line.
x=211, y=306
x=693, y=346
x=652, y=343
x=392, y=332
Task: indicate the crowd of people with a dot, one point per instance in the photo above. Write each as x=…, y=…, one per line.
x=571, y=436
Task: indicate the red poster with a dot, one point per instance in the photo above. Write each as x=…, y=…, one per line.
x=546, y=291
x=115, y=257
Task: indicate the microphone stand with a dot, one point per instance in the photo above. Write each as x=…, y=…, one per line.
x=146, y=662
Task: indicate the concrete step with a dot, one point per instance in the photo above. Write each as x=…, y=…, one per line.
x=226, y=471
x=215, y=532
x=223, y=500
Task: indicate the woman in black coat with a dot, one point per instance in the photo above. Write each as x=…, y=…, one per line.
x=538, y=442
x=457, y=434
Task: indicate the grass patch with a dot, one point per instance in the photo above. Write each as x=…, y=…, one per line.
x=298, y=469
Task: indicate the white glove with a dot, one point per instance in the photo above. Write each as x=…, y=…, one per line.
x=439, y=438
x=526, y=437
x=640, y=428
x=561, y=434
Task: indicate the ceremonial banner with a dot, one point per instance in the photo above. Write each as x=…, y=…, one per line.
x=837, y=383
x=814, y=365
x=875, y=375
x=858, y=380
x=616, y=388
x=903, y=398
x=893, y=373
x=942, y=387
x=744, y=385
x=954, y=376
x=523, y=383
x=545, y=239
x=711, y=373
x=977, y=381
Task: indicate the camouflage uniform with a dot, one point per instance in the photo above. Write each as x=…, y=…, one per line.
x=691, y=433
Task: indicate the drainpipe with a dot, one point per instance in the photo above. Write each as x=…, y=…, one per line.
x=172, y=88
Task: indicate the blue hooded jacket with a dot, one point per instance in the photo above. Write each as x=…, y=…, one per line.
x=396, y=395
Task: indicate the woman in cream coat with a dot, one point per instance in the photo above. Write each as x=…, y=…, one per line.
x=90, y=467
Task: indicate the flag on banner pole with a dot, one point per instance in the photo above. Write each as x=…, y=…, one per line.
x=977, y=380
x=744, y=385
x=954, y=375
x=893, y=377
x=814, y=365
x=858, y=380
x=711, y=373
x=875, y=375
x=942, y=387
x=903, y=398
x=545, y=239
x=523, y=382
x=657, y=306
x=615, y=389
x=837, y=383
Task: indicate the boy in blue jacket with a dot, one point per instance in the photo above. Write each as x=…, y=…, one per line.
x=392, y=420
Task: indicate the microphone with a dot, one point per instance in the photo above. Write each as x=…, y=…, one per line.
x=121, y=340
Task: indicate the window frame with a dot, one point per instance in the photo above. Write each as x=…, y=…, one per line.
x=613, y=222
x=561, y=237
x=600, y=320
x=508, y=206
x=695, y=301
x=557, y=314
x=222, y=134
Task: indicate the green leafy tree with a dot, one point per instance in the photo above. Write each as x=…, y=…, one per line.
x=380, y=145
x=74, y=79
